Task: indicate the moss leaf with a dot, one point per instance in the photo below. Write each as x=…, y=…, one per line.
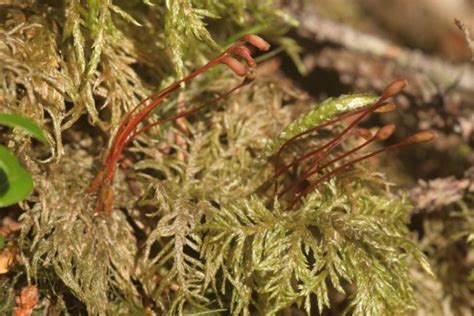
x=325, y=111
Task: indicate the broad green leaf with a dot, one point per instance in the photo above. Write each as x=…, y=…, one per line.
x=2, y=242
x=28, y=125
x=15, y=182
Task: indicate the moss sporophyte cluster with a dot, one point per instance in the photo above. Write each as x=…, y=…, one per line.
x=327, y=114
x=214, y=202
x=127, y=130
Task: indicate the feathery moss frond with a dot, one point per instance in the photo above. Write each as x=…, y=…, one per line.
x=284, y=258
x=254, y=256
x=91, y=256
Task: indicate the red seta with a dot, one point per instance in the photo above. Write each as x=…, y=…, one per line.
x=317, y=156
x=242, y=50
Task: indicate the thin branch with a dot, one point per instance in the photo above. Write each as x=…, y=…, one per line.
x=322, y=29
x=467, y=33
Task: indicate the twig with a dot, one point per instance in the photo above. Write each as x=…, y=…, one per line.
x=467, y=34
x=321, y=29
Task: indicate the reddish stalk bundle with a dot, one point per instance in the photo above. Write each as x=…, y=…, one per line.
x=102, y=185
x=317, y=164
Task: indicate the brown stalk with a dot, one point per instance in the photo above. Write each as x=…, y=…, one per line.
x=102, y=185
x=381, y=106
x=419, y=137
x=382, y=134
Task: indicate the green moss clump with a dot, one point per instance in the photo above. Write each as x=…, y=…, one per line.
x=194, y=229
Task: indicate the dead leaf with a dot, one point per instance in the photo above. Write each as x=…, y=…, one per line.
x=9, y=226
x=27, y=300
x=7, y=256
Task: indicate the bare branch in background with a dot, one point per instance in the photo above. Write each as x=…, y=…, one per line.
x=441, y=72
x=467, y=34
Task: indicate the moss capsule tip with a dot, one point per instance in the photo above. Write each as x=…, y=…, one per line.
x=385, y=132
x=386, y=107
x=257, y=41
x=394, y=88
x=421, y=137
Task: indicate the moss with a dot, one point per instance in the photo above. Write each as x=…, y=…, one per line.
x=194, y=228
